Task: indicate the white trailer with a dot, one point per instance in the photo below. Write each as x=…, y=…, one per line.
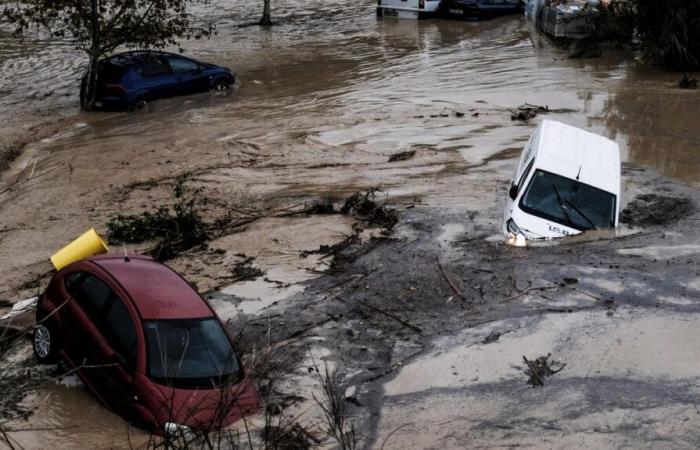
x=407, y=9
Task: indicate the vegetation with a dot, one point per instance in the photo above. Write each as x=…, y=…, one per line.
x=665, y=32
x=175, y=230
x=98, y=27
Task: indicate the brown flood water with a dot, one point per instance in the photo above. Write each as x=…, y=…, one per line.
x=324, y=99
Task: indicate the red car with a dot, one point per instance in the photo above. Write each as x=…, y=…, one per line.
x=147, y=344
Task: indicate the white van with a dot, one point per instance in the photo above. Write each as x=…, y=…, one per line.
x=567, y=182
x=407, y=9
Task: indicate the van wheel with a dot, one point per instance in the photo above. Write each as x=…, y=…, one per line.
x=220, y=86
x=45, y=344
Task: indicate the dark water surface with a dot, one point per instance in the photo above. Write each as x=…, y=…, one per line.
x=335, y=58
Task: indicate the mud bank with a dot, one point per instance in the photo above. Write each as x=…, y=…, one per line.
x=430, y=367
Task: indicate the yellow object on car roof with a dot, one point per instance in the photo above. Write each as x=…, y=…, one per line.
x=88, y=244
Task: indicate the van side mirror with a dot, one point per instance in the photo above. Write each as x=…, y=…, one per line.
x=513, y=192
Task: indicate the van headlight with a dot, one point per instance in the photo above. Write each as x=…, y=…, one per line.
x=177, y=431
x=517, y=237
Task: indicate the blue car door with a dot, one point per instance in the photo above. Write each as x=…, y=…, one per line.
x=157, y=79
x=189, y=74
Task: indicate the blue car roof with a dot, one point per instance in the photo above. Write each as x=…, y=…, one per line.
x=136, y=56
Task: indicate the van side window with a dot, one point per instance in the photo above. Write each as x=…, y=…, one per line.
x=526, y=172
x=92, y=294
x=120, y=332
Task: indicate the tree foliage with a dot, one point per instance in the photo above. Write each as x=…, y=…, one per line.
x=98, y=27
x=666, y=32
x=669, y=31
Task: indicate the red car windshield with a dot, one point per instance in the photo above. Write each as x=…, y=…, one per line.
x=190, y=353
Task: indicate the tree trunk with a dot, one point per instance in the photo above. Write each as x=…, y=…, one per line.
x=89, y=91
x=265, y=19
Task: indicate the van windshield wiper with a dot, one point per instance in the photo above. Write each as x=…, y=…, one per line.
x=580, y=213
x=561, y=206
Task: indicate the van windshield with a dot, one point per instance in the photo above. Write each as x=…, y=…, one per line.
x=191, y=353
x=569, y=202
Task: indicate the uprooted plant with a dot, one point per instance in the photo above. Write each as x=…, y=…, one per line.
x=175, y=230
x=541, y=368
x=335, y=411
x=370, y=214
x=366, y=208
x=181, y=227
x=269, y=363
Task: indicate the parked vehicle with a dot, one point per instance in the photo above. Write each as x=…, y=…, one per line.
x=129, y=80
x=407, y=9
x=573, y=19
x=479, y=9
x=567, y=182
x=145, y=342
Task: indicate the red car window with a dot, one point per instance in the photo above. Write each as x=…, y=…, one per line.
x=120, y=332
x=107, y=312
x=91, y=293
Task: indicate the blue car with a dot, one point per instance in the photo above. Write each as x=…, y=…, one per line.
x=130, y=80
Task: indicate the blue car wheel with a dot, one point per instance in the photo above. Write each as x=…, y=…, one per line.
x=220, y=85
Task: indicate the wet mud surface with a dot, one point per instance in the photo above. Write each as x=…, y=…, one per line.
x=428, y=324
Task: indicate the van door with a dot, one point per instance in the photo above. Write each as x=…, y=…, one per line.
x=527, y=159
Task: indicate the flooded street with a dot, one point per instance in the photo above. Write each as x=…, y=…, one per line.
x=323, y=101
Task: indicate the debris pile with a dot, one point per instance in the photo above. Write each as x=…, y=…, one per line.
x=365, y=208
x=245, y=270
x=527, y=111
x=403, y=156
x=541, y=368
x=688, y=83
x=651, y=210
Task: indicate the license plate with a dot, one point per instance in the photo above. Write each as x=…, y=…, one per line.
x=456, y=11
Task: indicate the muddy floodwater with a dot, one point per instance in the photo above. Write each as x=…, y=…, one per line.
x=323, y=101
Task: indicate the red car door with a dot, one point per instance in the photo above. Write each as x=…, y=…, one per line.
x=84, y=327
x=87, y=296
x=119, y=331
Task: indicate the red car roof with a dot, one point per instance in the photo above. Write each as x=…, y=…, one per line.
x=157, y=291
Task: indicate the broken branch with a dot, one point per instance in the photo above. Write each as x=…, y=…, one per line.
x=392, y=316
x=454, y=288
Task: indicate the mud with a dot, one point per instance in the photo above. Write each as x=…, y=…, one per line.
x=333, y=102
x=650, y=210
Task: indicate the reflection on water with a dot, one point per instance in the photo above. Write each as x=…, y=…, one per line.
x=658, y=123
x=336, y=58
x=71, y=417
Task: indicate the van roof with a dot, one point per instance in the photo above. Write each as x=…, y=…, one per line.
x=571, y=152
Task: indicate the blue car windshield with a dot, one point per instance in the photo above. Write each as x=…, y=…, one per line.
x=192, y=352
x=569, y=202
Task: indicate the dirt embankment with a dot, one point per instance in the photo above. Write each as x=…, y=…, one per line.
x=409, y=298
